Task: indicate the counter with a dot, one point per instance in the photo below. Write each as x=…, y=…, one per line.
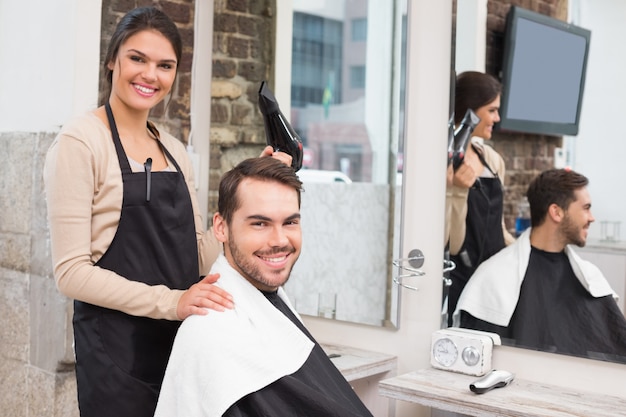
x=357, y=363
x=450, y=392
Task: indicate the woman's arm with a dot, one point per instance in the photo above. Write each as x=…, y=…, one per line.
x=80, y=207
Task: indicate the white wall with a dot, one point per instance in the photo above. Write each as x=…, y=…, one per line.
x=49, y=54
x=598, y=150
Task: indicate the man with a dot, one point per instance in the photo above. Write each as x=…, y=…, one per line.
x=538, y=293
x=257, y=359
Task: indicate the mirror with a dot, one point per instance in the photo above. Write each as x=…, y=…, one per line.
x=346, y=106
x=595, y=147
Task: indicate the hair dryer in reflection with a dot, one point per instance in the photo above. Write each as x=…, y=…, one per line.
x=462, y=137
x=278, y=132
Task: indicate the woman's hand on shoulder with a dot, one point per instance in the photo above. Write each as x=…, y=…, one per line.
x=283, y=157
x=203, y=295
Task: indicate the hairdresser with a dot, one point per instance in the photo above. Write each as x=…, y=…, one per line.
x=126, y=233
x=474, y=195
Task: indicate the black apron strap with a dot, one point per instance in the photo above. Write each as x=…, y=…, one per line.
x=121, y=155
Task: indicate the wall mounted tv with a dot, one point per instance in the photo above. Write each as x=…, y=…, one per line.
x=543, y=74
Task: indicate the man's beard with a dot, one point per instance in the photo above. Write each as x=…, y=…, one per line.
x=572, y=233
x=251, y=271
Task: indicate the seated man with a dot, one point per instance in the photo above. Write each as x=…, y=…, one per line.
x=257, y=359
x=537, y=293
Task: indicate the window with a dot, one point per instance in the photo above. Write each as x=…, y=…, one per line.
x=359, y=30
x=357, y=76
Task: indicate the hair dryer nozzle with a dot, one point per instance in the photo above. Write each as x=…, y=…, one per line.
x=462, y=137
x=278, y=132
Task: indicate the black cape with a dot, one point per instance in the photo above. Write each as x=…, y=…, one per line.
x=555, y=313
x=316, y=389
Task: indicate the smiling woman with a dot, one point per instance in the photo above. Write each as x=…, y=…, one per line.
x=127, y=239
x=475, y=194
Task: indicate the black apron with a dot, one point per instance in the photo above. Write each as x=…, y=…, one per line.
x=121, y=359
x=483, y=232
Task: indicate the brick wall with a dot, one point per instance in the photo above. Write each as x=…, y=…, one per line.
x=243, y=56
x=525, y=155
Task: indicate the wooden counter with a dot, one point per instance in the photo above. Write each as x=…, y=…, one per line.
x=450, y=391
x=357, y=363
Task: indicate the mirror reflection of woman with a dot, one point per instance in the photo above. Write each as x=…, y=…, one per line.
x=474, y=196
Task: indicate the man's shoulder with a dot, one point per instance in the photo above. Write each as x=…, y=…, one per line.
x=504, y=259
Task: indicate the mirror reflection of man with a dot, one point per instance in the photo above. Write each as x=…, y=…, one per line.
x=257, y=359
x=538, y=293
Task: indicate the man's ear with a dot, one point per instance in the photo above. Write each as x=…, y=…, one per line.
x=220, y=229
x=556, y=213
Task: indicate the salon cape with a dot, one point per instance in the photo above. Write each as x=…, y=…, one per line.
x=223, y=356
x=492, y=292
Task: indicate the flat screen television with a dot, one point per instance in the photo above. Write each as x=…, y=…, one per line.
x=543, y=74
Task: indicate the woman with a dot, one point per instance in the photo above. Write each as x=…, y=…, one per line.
x=127, y=238
x=474, y=197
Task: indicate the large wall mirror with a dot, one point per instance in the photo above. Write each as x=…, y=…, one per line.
x=347, y=101
x=596, y=146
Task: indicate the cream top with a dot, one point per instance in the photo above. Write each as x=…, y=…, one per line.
x=84, y=191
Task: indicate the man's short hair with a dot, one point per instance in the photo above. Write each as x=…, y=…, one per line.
x=261, y=168
x=554, y=186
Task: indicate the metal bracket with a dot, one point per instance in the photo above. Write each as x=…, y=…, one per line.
x=415, y=261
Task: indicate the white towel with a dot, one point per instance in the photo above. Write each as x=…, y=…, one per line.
x=492, y=292
x=223, y=356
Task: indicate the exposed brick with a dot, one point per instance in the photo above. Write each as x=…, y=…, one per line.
x=241, y=114
x=186, y=63
x=229, y=89
x=238, y=47
x=219, y=113
x=254, y=136
x=262, y=8
x=186, y=35
x=224, y=68
x=256, y=49
x=225, y=22
x=252, y=71
x=179, y=13
x=237, y=5
x=248, y=25
x=219, y=43
x=122, y=6
x=224, y=136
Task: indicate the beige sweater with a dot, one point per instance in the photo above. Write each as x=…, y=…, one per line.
x=456, y=202
x=83, y=185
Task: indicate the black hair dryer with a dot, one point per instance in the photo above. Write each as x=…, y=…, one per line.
x=278, y=132
x=462, y=137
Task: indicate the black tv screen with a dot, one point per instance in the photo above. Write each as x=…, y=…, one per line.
x=543, y=74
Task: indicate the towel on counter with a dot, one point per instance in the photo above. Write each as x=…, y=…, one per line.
x=223, y=356
x=493, y=290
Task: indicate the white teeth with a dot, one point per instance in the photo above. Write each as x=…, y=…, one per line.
x=144, y=89
x=282, y=258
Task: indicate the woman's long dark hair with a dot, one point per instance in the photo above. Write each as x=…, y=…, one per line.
x=473, y=90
